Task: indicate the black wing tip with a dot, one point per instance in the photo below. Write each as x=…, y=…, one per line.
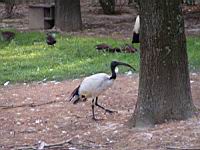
x=74, y=93
x=76, y=101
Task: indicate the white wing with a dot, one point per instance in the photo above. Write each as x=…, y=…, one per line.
x=94, y=85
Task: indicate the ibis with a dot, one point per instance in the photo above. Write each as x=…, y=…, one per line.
x=136, y=30
x=128, y=49
x=8, y=35
x=50, y=39
x=94, y=85
x=103, y=47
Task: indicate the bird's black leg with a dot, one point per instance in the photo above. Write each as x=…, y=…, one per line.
x=107, y=110
x=93, y=117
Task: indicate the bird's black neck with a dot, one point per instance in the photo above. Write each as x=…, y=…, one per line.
x=114, y=75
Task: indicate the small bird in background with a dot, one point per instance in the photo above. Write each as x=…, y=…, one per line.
x=128, y=49
x=7, y=35
x=103, y=47
x=94, y=85
x=115, y=49
x=136, y=30
x=51, y=39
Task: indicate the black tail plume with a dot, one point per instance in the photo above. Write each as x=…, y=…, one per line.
x=74, y=95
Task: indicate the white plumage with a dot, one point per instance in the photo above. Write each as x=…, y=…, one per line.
x=136, y=28
x=94, y=85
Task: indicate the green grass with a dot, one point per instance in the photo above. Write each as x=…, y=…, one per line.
x=193, y=47
x=28, y=58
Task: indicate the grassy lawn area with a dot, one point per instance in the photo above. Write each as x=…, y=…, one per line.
x=28, y=57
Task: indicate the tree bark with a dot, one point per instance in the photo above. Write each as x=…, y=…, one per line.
x=9, y=8
x=130, y=1
x=108, y=6
x=164, y=84
x=68, y=15
x=94, y=2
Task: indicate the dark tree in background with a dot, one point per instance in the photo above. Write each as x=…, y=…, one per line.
x=164, y=84
x=9, y=7
x=189, y=2
x=130, y=1
x=68, y=15
x=108, y=6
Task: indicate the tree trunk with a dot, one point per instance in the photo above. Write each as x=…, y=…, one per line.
x=9, y=7
x=130, y=1
x=164, y=84
x=68, y=15
x=108, y=6
x=94, y=2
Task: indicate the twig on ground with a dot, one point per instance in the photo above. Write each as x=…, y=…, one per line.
x=46, y=145
x=27, y=148
x=59, y=143
x=183, y=148
x=30, y=105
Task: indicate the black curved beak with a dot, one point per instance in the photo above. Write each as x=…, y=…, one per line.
x=117, y=63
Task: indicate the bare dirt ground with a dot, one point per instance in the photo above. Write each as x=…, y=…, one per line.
x=40, y=112
x=36, y=114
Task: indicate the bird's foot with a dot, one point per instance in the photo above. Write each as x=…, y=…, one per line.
x=95, y=119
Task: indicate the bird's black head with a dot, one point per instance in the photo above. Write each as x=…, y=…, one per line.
x=114, y=64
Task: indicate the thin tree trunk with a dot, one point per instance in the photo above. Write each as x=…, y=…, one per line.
x=68, y=15
x=130, y=1
x=108, y=6
x=164, y=85
x=9, y=7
